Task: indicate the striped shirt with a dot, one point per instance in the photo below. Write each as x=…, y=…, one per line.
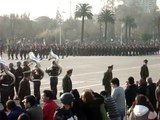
x=111, y=107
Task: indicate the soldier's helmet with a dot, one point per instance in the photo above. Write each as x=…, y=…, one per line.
x=67, y=98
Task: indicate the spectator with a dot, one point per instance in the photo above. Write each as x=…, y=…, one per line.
x=157, y=94
x=118, y=95
x=65, y=113
x=130, y=92
x=23, y=116
x=91, y=105
x=142, y=109
x=35, y=112
x=142, y=87
x=49, y=106
x=150, y=91
x=3, y=115
x=78, y=105
x=14, y=110
x=110, y=106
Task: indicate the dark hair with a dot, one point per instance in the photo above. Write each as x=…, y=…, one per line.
x=115, y=81
x=88, y=95
x=23, y=116
x=143, y=100
x=31, y=99
x=131, y=80
x=104, y=93
x=10, y=104
x=75, y=93
x=3, y=115
x=48, y=93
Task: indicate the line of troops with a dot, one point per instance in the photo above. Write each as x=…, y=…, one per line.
x=19, y=51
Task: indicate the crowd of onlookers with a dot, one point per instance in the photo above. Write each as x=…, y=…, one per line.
x=141, y=99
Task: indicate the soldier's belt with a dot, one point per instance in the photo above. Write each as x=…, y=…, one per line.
x=4, y=85
x=35, y=80
x=53, y=76
x=20, y=77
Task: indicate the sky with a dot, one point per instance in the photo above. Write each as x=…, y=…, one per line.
x=48, y=8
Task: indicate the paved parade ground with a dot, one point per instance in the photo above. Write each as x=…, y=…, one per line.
x=88, y=71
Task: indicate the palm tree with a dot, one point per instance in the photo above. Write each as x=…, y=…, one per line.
x=84, y=11
x=106, y=16
x=129, y=24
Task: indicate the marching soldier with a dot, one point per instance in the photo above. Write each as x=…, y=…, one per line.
x=7, y=79
x=37, y=75
x=106, y=79
x=54, y=71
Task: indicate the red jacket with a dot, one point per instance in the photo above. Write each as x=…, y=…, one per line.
x=49, y=109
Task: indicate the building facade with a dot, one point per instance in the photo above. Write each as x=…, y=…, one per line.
x=146, y=5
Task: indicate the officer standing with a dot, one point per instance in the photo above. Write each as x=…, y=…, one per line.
x=66, y=82
x=24, y=87
x=7, y=79
x=54, y=71
x=144, y=73
x=37, y=75
x=106, y=79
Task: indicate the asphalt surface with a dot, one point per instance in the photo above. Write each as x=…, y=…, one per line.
x=88, y=71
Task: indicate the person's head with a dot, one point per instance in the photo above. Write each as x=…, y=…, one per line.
x=115, y=82
x=131, y=80
x=11, y=65
x=158, y=83
x=140, y=99
x=110, y=68
x=47, y=95
x=145, y=61
x=27, y=74
x=143, y=100
x=142, y=82
x=69, y=72
x=25, y=63
x=75, y=93
x=29, y=101
x=67, y=99
x=87, y=96
x=54, y=63
x=18, y=64
x=23, y=116
x=10, y=104
x=104, y=94
x=149, y=80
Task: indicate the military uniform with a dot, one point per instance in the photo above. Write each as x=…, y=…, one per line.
x=144, y=71
x=5, y=88
x=19, y=77
x=37, y=76
x=66, y=82
x=54, y=72
x=24, y=90
x=106, y=80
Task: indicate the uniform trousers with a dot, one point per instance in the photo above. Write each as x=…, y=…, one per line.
x=53, y=84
